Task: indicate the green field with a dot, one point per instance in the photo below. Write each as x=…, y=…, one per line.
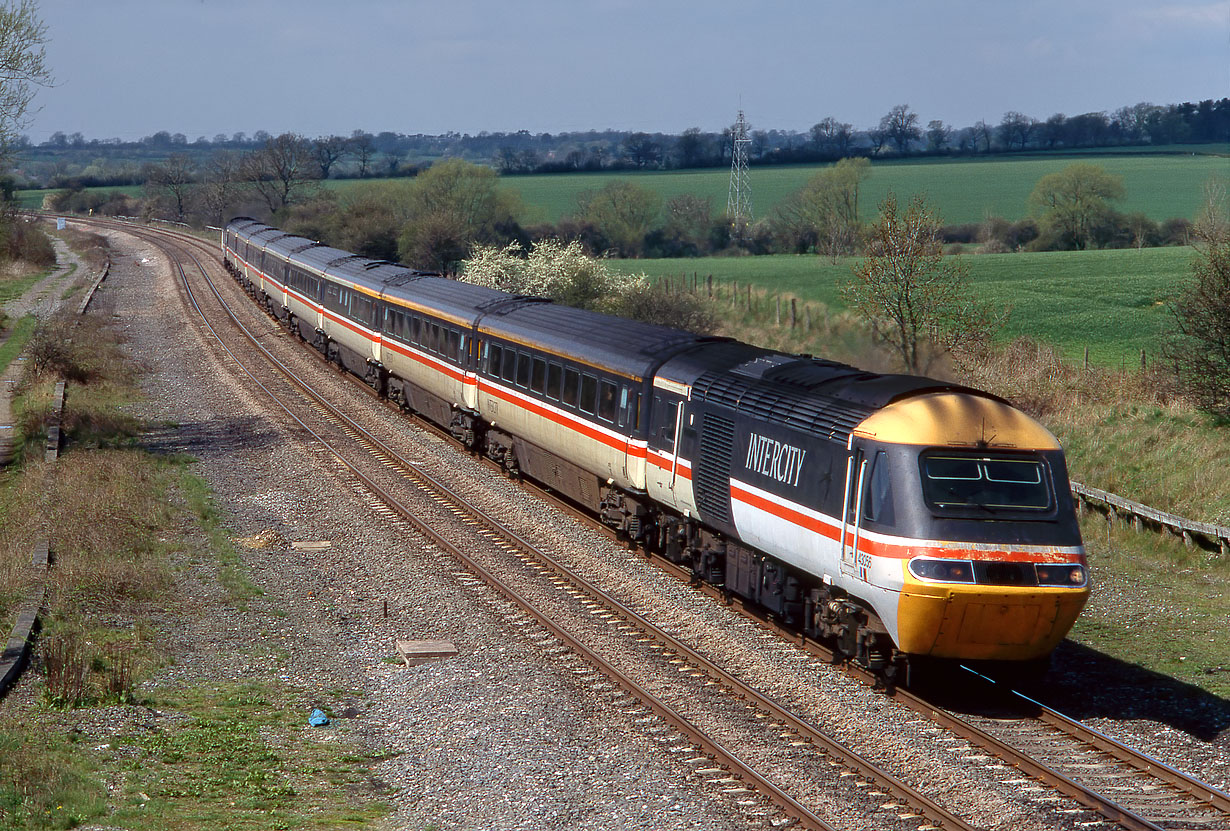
x=1110, y=301
x=1162, y=183
x=1161, y=186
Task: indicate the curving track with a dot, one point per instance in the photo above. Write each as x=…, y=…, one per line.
x=673, y=687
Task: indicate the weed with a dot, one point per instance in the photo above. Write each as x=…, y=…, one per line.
x=67, y=667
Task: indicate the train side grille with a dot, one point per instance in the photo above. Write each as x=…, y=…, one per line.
x=712, y=474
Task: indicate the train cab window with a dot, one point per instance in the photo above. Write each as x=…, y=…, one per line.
x=523, y=371
x=589, y=393
x=572, y=385
x=983, y=483
x=509, y=368
x=555, y=379
x=878, y=501
x=538, y=376
x=606, y=401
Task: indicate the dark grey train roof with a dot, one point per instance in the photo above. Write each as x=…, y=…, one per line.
x=287, y=246
x=319, y=256
x=463, y=302
x=818, y=396
x=627, y=347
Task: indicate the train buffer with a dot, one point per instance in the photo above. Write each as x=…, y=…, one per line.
x=420, y=652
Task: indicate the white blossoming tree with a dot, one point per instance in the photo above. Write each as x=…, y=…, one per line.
x=551, y=268
x=565, y=273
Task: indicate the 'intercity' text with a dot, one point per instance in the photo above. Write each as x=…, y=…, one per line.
x=769, y=457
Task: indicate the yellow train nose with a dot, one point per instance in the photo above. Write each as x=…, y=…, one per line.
x=997, y=623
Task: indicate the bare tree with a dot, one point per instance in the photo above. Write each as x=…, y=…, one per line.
x=329, y=151
x=901, y=126
x=174, y=179
x=281, y=171
x=220, y=187
x=938, y=135
x=832, y=136
x=364, y=149
x=981, y=133
x=22, y=67
x=1016, y=129
x=917, y=300
x=1199, y=345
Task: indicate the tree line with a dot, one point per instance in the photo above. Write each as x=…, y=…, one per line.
x=66, y=159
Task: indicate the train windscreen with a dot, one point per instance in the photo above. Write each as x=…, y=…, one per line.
x=952, y=481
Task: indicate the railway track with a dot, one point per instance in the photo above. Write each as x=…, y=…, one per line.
x=676, y=688
x=665, y=684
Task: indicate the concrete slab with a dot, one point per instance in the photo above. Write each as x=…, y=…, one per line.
x=420, y=652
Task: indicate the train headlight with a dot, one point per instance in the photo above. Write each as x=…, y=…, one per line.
x=949, y=571
x=1061, y=574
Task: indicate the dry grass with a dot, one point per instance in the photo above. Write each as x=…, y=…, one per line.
x=1128, y=431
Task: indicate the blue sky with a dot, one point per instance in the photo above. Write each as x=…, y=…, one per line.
x=128, y=68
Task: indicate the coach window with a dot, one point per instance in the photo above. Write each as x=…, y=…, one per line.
x=415, y=329
x=509, y=367
x=629, y=409
x=523, y=370
x=331, y=295
x=555, y=377
x=606, y=401
x=589, y=393
x=538, y=378
x=493, y=359
x=572, y=383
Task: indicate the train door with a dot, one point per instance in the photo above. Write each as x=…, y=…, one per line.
x=665, y=428
x=852, y=511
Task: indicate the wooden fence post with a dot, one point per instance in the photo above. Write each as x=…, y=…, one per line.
x=794, y=314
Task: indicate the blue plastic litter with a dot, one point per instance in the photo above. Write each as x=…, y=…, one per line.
x=318, y=718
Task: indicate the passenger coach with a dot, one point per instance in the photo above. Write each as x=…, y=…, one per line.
x=895, y=515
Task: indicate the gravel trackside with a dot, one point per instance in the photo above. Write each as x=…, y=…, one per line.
x=512, y=733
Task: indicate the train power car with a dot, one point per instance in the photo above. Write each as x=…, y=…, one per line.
x=893, y=515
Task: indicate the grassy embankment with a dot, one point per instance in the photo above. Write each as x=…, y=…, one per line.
x=127, y=528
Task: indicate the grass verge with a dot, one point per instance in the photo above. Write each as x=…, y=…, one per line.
x=1158, y=604
x=85, y=739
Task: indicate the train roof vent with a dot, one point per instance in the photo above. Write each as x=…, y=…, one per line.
x=370, y=264
x=811, y=412
x=339, y=260
x=508, y=303
x=300, y=249
x=757, y=367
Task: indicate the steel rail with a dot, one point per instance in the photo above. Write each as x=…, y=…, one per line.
x=712, y=747
x=1037, y=770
